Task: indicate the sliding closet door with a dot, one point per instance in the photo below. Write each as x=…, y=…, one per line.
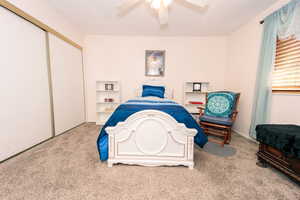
x=67, y=84
x=25, y=115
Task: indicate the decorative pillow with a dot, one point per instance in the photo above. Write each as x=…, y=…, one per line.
x=153, y=91
x=220, y=104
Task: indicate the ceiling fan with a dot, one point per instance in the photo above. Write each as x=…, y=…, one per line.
x=162, y=6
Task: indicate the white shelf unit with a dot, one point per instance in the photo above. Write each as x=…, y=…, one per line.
x=198, y=96
x=104, y=109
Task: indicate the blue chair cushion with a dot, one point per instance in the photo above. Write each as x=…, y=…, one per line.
x=220, y=104
x=217, y=120
x=154, y=91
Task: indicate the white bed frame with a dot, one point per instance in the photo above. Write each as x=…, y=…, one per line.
x=151, y=138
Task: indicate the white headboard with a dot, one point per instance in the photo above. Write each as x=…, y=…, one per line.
x=154, y=82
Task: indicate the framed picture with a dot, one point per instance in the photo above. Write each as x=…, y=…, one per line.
x=197, y=87
x=155, y=63
x=109, y=86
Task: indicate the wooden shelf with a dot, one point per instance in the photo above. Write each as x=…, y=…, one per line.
x=191, y=82
x=190, y=104
x=100, y=102
x=195, y=92
x=107, y=112
x=108, y=91
x=105, y=109
x=194, y=96
x=107, y=81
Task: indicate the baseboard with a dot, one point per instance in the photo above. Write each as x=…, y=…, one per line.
x=244, y=136
x=56, y=135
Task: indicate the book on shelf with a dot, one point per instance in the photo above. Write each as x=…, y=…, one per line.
x=196, y=102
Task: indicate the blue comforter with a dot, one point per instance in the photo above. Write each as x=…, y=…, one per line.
x=132, y=106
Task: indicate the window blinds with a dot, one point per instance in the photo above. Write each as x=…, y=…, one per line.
x=286, y=74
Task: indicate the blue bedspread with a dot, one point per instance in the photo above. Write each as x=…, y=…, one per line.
x=132, y=106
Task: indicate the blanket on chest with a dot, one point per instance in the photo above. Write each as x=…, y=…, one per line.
x=132, y=106
x=283, y=137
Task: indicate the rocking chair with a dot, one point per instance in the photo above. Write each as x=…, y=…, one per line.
x=219, y=115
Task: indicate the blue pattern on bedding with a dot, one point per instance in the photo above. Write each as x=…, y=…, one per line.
x=132, y=106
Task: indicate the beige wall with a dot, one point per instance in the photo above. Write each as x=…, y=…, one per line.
x=188, y=58
x=43, y=11
x=243, y=51
x=123, y=58
x=286, y=109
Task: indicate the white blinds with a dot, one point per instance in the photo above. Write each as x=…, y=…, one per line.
x=286, y=75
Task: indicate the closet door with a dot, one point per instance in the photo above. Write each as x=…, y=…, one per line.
x=25, y=115
x=67, y=85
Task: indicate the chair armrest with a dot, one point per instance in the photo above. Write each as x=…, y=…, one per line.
x=234, y=115
x=201, y=109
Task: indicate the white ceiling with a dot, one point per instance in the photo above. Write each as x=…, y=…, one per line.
x=102, y=17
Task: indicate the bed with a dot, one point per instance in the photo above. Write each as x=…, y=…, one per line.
x=150, y=131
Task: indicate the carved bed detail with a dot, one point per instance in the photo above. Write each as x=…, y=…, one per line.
x=151, y=138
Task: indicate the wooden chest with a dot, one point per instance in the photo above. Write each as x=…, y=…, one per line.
x=288, y=165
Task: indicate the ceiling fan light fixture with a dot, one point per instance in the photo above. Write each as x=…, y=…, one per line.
x=167, y=2
x=200, y=3
x=162, y=6
x=155, y=4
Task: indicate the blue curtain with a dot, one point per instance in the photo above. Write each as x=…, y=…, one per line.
x=287, y=23
x=277, y=24
x=263, y=90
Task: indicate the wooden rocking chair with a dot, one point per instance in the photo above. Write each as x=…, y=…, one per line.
x=219, y=115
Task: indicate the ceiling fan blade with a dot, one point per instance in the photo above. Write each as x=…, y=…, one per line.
x=200, y=3
x=125, y=5
x=163, y=15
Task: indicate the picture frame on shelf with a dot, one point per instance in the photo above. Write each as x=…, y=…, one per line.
x=109, y=87
x=197, y=87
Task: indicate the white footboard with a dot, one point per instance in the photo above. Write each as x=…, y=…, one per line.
x=151, y=138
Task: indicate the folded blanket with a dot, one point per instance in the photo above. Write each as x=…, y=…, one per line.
x=285, y=138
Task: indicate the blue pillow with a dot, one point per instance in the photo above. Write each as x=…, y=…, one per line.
x=153, y=91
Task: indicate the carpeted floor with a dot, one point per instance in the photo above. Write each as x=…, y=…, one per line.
x=68, y=167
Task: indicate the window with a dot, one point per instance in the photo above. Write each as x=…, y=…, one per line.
x=286, y=75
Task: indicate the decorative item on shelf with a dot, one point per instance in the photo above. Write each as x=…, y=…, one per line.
x=197, y=87
x=196, y=102
x=109, y=100
x=109, y=86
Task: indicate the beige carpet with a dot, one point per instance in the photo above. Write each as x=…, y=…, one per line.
x=68, y=167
